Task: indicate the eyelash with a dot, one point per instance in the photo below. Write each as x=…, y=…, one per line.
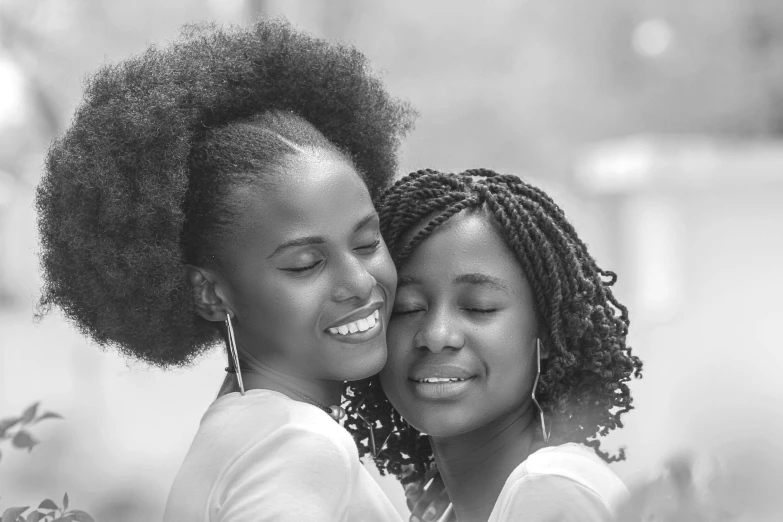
x=373, y=246
x=481, y=310
x=473, y=310
x=304, y=268
x=405, y=312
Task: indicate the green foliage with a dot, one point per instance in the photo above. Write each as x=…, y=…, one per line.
x=16, y=429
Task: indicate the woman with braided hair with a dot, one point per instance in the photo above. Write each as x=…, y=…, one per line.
x=507, y=353
x=219, y=189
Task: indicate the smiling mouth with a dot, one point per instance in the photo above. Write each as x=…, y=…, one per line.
x=440, y=388
x=360, y=325
x=438, y=380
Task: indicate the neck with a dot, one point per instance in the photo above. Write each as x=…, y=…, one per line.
x=257, y=375
x=475, y=465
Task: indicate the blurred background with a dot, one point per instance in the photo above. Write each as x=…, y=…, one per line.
x=656, y=124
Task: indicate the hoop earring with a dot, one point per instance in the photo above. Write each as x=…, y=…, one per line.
x=544, y=432
x=375, y=451
x=232, y=349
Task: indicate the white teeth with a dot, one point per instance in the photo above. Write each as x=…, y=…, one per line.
x=440, y=379
x=360, y=325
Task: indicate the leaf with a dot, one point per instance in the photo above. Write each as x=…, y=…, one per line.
x=24, y=440
x=48, y=504
x=81, y=516
x=7, y=423
x=29, y=413
x=64, y=518
x=48, y=415
x=11, y=514
x=34, y=516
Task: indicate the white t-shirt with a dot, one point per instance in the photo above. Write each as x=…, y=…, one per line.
x=264, y=457
x=560, y=483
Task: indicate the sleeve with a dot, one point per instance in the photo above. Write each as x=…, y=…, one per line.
x=293, y=475
x=551, y=498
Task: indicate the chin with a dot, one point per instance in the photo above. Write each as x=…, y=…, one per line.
x=440, y=428
x=365, y=364
x=439, y=421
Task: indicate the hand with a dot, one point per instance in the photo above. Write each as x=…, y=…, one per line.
x=427, y=504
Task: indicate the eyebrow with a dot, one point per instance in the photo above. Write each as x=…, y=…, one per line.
x=318, y=240
x=479, y=279
x=404, y=280
x=475, y=278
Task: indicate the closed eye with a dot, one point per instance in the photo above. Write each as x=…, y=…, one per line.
x=481, y=310
x=372, y=247
x=303, y=268
x=406, y=311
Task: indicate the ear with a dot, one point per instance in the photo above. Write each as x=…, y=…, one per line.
x=208, y=295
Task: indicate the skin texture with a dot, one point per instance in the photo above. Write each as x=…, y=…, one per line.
x=282, y=300
x=464, y=302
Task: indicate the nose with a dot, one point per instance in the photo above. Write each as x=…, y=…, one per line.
x=354, y=280
x=439, y=331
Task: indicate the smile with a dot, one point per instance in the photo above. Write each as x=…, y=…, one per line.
x=360, y=325
x=432, y=380
x=440, y=388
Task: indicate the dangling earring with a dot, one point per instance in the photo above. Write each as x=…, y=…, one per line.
x=232, y=349
x=375, y=450
x=535, y=385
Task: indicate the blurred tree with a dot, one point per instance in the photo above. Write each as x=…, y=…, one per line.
x=54, y=44
x=524, y=84
x=764, y=36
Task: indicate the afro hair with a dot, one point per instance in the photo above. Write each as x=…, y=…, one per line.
x=118, y=186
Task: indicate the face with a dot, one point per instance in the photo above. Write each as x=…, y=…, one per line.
x=462, y=335
x=307, y=274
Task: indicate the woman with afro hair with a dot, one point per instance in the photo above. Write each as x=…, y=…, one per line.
x=507, y=353
x=220, y=188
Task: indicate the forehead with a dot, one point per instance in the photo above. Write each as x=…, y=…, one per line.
x=469, y=242
x=310, y=195
x=311, y=183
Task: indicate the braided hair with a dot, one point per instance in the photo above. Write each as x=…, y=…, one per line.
x=141, y=182
x=583, y=386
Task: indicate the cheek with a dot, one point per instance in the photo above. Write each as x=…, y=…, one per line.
x=396, y=346
x=509, y=357
x=394, y=372
x=389, y=377
x=382, y=269
x=280, y=304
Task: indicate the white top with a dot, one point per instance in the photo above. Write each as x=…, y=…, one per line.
x=264, y=457
x=564, y=483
